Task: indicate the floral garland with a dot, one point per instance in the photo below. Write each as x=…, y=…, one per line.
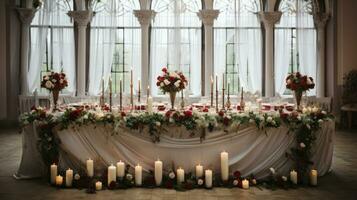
x=303, y=125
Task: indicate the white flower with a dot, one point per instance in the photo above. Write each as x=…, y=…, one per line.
x=49, y=85
x=172, y=175
x=320, y=121
x=54, y=80
x=284, y=178
x=323, y=112
x=61, y=81
x=171, y=120
x=46, y=78
x=261, y=118
x=254, y=181
x=309, y=82
x=302, y=145
x=162, y=84
x=177, y=83
x=308, y=126
x=85, y=116
x=235, y=182
x=129, y=177
x=272, y=170
x=273, y=122
x=228, y=117
x=315, y=109
x=288, y=81
x=251, y=121
x=167, y=82
x=158, y=123
x=299, y=117
x=174, y=74
x=199, y=182
x=269, y=119
x=77, y=177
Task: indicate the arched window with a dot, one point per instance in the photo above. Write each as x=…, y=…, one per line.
x=52, y=44
x=238, y=44
x=176, y=41
x=115, y=44
x=295, y=42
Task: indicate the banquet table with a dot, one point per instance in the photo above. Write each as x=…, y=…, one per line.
x=251, y=151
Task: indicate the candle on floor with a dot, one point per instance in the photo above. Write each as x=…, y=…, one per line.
x=138, y=175
x=224, y=166
x=199, y=171
x=98, y=185
x=59, y=180
x=90, y=168
x=293, y=177
x=180, y=175
x=158, y=172
x=208, y=178
x=69, y=177
x=120, y=169
x=313, y=177
x=245, y=184
x=112, y=176
x=53, y=173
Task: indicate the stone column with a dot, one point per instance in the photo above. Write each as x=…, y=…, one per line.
x=208, y=16
x=82, y=18
x=320, y=20
x=144, y=18
x=269, y=19
x=26, y=16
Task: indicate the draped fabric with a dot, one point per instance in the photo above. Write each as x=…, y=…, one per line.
x=239, y=25
x=251, y=151
x=52, y=25
x=176, y=41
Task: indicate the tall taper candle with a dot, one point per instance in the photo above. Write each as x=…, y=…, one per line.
x=211, y=91
x=139, y=91
x=223, y=91
x=158, y=172
x=224, y=166
x=216, y=93
x=147, y=93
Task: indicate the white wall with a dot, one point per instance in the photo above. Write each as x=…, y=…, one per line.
x=3, y=100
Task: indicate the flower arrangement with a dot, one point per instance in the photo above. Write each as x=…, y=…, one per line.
x=298, y=82
x=54, y=81
x=171, y=81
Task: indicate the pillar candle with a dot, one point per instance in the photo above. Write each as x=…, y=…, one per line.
x=245, y=184
x=98, y=185
x=112, y=176
x=90, y=169
x=224, y=166
x=138, y=175
x=199, y=171
x=180, y=175
x=208, y=178
x=120, y=169
x=59, y=180
x=69, y=177
x=149, y=105
x=158, y=172
x=293, y=177
x=53, y=173
x=313, y=177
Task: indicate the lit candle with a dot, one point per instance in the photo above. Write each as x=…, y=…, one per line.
x=69, y=177
x=120, y=169
x=138, y=175
x=180, y=175
x=90, y=169
x=245, y=184
x=199, y=171
x=59, y=180
x=158, y=172
x=98, y=185
x=53, y=173
x=112, y=176
x=313, y=177
x=208, y=178
x=293, y=177
x=224, y=166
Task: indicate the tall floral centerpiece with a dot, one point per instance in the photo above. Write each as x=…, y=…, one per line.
x=299, y=84
x=54, y=82
x=171, y=82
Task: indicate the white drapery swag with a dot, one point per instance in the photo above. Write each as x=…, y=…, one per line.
x=240, y=17
x=305, y=43
x=176, y=41
x=112, y=16
x=61, y=55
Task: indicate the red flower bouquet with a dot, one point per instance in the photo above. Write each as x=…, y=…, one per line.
x=299, y=83
x=54, y=82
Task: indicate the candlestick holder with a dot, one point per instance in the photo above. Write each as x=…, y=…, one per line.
x=120, y=101
x=110, y=101
x=223, y=105
x=212, y=99
x=216, y=100
x=131, y=97
x=228, y=104
x=139, y=95
x=101, y=100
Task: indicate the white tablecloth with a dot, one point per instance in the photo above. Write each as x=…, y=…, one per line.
x=250, y=151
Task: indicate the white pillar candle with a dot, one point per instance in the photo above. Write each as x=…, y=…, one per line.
x=53, y=173
x=69, y=177
x=224, y=166
x=98, y=185
x=90, y=167
x=120, y=169
x=313, y=177
x=199, y=171
x=138, y=175
x=245, y=184
x=112, y=176
x=208, y=178
x=158, y=172
x=293, y=177
x=59, y=180
x=180, y=175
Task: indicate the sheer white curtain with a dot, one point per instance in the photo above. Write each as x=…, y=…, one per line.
x=176, y=41
x=282, y=58
x=60, y=55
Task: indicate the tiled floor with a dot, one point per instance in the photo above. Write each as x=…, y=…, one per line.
x=341, y=183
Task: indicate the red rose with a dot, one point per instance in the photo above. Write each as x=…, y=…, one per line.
x=221, y=113
x=158, y=83
x=168, y=114
x=172, y=79
x=123, y=114
x=205, y=109
x=188, y=113
x=237, y=174
x=164, y=69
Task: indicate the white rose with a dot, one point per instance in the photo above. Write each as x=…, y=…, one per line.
x=167, y=82
x=302, y=145
x=308, y=126
x=177, y=83
x=85, y=117
x=320, y=121
x=158, y=123
x=261, y=118
x=229, y=117
x=61, y=81
x=284, y=178
x=272, y=170
x=200, y=182
x=172, y=175
x=323, y=112
x=162, y=84
x=288, y=81
x=171, y=120
x=235, y=182
x=299, y=117
x=77, y=177
x=47, y=78
x=309, y=82
x=269, y=119
x=273, y=122
x=254, y=181
x=54, y=80
x=129, y=177
x=49, y=85
x=251, y=121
